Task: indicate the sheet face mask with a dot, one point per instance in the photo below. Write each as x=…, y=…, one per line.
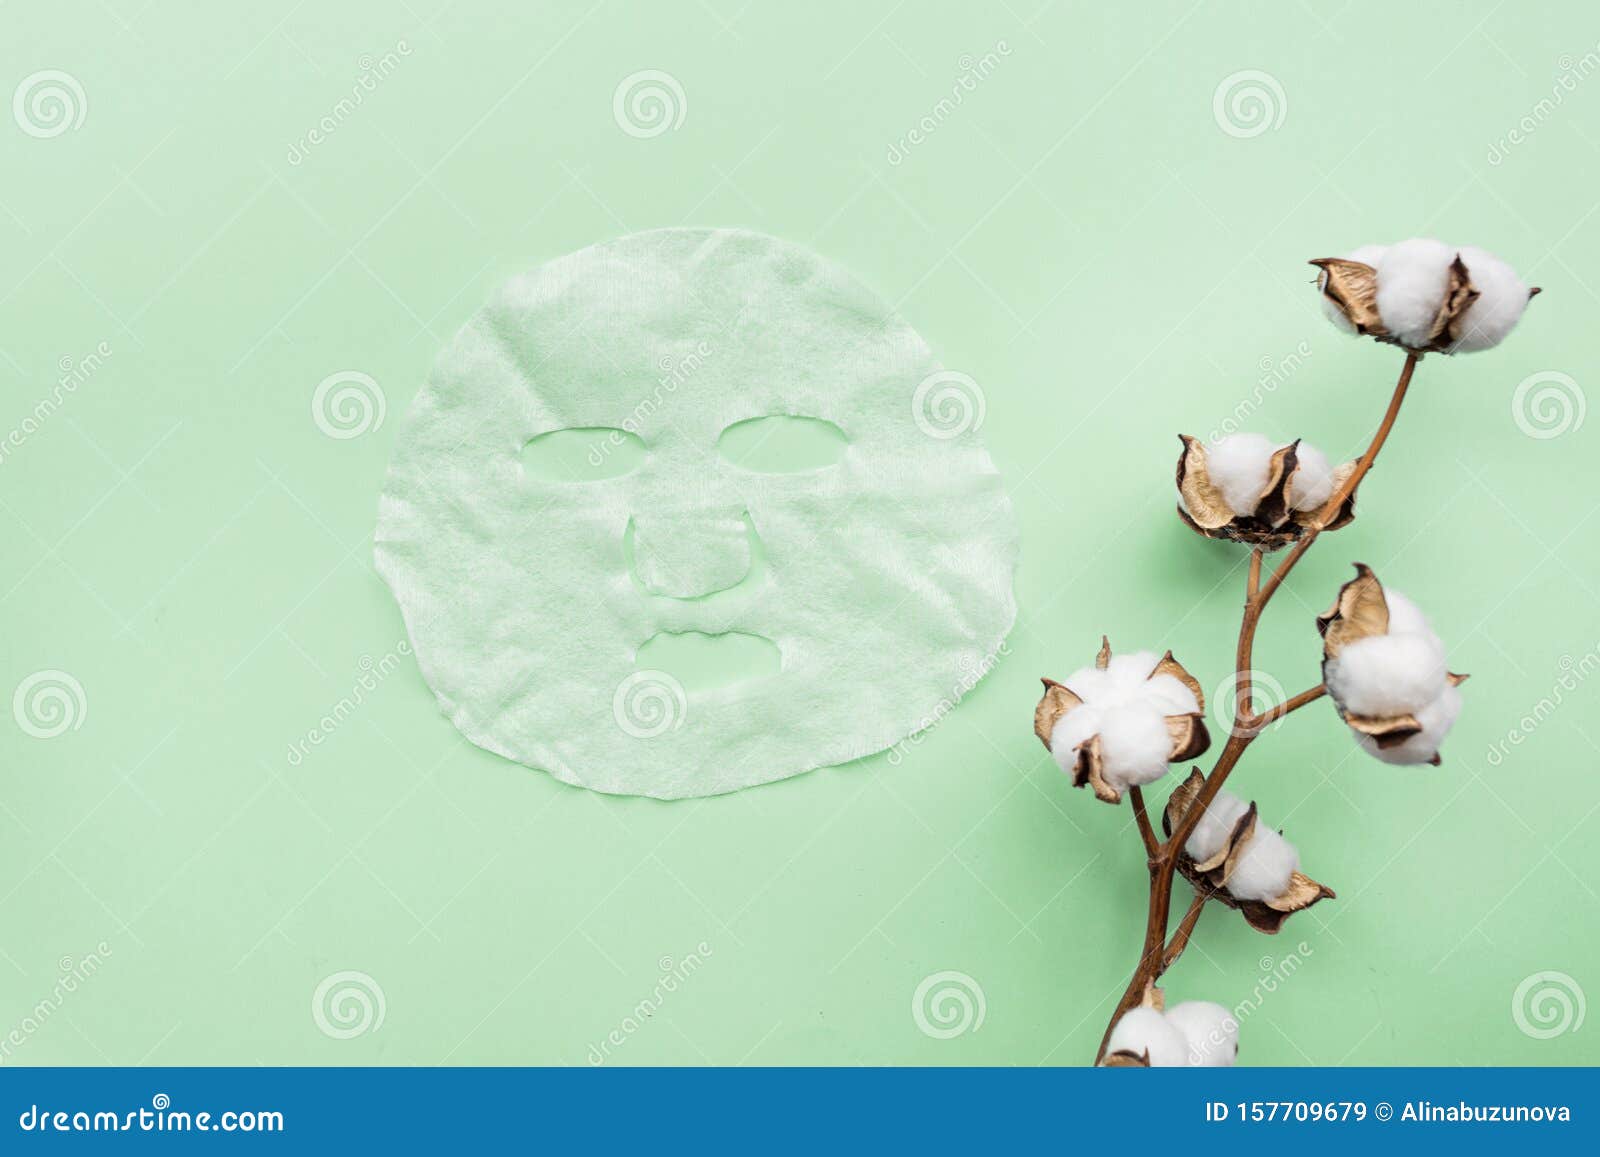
x=882, y=578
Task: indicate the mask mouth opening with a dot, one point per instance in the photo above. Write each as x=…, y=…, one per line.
x=706, y=662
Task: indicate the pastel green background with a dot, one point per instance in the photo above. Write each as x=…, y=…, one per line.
x=1080, y=235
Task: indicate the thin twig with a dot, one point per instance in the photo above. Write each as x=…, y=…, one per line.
x=1151, y=847
x=1288, y=705
x=1180, y=938
x=1244, y=674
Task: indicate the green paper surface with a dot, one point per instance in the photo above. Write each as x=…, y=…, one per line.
x=260, y=798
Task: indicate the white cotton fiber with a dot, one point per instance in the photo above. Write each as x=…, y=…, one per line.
x=1405, y=617
x=1212, y=1032
x=1238, y=466
x=1412, y=279
x=1367, y=255
x=1169, y=693
x=1387, y=674
x=1128, y=670
x=1075, y=727
x=1311, y=484
x=1143, y=1030
x=1134, y=744
x=1263, y=870
x=1437, y=718
x=1214, y=827
x=1502, y=296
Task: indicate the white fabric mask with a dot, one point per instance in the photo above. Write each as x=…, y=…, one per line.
x=880, y=579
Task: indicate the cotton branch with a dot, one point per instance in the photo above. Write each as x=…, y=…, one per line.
x=1157, y=953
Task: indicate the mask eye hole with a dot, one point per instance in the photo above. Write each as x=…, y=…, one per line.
x=782, y=444
x=582, y=454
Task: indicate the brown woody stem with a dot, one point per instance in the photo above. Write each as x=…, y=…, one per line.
x=1180, y=938
x=1146, y=832
x=1288, y=705
x=1157, y=955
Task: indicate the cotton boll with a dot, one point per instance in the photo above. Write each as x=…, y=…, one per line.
x=1239, y=465
x=1215, y=826
x=1502, y=296
x=1143, y=1030
x=1211, y=1031
x=1134, y=744
x=1263, y=871
x=1412, y=279
x=1367, y=255
x=1437, y=718
x=1387, y=674
x=1311, y=485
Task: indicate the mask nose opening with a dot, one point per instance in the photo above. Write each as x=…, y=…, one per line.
x=690, y=556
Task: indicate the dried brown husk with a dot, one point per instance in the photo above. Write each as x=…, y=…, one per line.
x=1275, y=524
x=1124, y=1059
x=1186, y=731
x=1359, y=611
x=1353, y=288
x=1210, y=877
